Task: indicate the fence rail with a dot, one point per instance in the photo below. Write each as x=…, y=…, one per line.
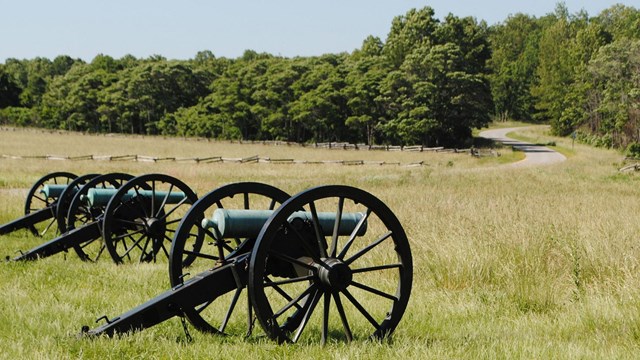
x=250, y=159
x=211, y=159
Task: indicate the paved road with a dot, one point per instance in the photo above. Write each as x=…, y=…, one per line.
x=534, y=154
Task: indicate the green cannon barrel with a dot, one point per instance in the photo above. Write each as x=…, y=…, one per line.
x=53, y=190
x=248, y=223
x=101, y=196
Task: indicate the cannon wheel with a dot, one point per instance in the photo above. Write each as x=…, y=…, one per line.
x=137, y=228
x=79, y=213
x=365, y=279
x=196, y=249
x=37, y=202
x=64, y=201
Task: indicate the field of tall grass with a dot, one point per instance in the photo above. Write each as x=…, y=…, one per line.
x=508, y=263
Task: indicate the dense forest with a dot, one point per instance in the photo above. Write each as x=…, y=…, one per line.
x=430, y=82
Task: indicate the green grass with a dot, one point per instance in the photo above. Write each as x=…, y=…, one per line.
x=508, y=263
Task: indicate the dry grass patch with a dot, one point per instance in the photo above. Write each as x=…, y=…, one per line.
x=508, y=263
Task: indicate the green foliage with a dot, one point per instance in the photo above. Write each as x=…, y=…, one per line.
x=440, y=91
x=513, y=64
x=430, y=82
x=611, y=91
x=633, y=150
x=9, y=90
x=427, y=83
x=16, y=116
x=573, y=71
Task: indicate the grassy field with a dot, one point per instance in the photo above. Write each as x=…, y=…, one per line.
x=508, y=263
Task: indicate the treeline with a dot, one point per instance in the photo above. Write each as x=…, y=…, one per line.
x=580, y=74
x=429, y=82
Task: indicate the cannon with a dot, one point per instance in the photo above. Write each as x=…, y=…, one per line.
x=335, y=245
x=73, y=215
x=129, y=217
x=41, y=205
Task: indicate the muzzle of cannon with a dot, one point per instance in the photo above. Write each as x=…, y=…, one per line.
x=129, y=217
x=335, y=250
x=41, y=205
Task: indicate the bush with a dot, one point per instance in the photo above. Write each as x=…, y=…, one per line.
x=633, y=150
x=16, y=116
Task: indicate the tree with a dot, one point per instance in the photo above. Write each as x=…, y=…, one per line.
x=366, y=69
x=612, y=112
x=415, y=29
x=440, y=91
x=9, y=90
x=555, y=72
x=273, y=96
x=620, y=21
x=62, y=64
x=513, y=66
x=160, y=87
x=319, y=111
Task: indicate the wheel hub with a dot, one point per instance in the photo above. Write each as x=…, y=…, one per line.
x=336, y=275
x=154, y=227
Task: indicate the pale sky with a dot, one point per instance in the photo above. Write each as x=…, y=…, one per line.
x=179, y=29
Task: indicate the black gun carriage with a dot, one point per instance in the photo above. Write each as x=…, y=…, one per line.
x=129, y=218
x=41, y=205
x=332, y=262
x=327, y=250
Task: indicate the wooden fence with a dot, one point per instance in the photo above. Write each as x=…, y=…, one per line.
x=251, y=159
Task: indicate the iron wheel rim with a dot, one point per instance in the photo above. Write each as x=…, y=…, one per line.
x=190, y=226
x=80, y=214
x=35, y=202
x=300, y=304
x=130, y=238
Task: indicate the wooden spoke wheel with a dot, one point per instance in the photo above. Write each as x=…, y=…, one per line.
x=196, y=249
x=80, y=212
x=36, y=201
x=313, y=277
x=142, y=217
x=65, y=198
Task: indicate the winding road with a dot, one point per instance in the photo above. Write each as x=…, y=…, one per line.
x=534, y=154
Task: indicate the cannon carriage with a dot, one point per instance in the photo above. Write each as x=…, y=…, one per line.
x=329, y=263
x=129, y=218
x=41, y=205
x=334, y=251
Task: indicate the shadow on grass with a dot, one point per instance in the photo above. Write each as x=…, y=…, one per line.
x=484, y=143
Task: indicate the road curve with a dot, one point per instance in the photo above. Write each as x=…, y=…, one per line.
x=535, y=155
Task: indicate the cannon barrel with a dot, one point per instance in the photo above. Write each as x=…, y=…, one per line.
x=101, y=196
x=248, y=223
x=53, y=191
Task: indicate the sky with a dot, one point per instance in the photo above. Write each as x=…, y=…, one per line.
x=179, y=29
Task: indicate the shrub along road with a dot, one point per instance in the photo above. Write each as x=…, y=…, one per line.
x=534, y=154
